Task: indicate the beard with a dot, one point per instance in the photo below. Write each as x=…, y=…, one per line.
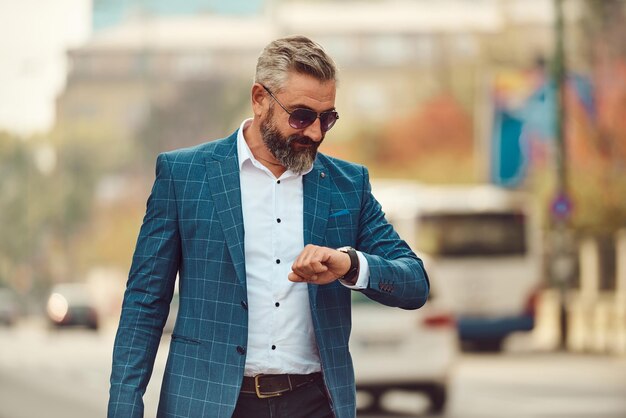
x=296, y=159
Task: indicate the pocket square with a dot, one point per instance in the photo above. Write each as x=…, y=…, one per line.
x=339, y=213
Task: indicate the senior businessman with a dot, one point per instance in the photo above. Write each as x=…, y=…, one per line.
x=269, y=238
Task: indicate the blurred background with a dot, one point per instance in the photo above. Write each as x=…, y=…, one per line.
x=494, y=131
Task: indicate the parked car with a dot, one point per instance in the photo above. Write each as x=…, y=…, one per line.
x=412, y=350
x=70, y=304
x=9, y=307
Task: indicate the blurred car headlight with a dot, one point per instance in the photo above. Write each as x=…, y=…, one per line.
x=57, y=307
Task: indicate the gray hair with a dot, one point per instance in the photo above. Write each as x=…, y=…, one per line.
x=295, y=53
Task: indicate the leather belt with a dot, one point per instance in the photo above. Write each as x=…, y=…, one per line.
x=270, y=385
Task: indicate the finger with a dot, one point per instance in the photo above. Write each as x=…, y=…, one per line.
x=311, y=271
x=307, y=263
x=299, y=262
x=318, y=267
x=309, y=255
x=295, y=277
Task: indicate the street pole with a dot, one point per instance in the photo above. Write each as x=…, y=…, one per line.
x=562, y=262
x=559, y=79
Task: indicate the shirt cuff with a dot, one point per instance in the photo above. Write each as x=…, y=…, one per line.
x=364, y=274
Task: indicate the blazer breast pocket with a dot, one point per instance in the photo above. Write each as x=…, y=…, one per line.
x=340, y=228
x=339, y=218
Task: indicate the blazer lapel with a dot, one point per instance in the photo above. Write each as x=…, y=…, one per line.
x=316, y=208
x=223, y=179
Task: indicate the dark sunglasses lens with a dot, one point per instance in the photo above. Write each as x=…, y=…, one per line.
x=301, y=118
x=328, y=119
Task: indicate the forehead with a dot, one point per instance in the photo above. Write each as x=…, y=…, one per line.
x=305, y=90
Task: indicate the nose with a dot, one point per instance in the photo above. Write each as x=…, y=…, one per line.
x=314, y=131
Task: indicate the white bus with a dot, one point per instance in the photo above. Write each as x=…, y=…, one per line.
x=481, y=245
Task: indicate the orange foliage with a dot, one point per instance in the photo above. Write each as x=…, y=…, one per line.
x=441, y=127
x=602, y=141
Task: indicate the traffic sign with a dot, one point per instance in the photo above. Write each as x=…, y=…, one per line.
x=561, y=206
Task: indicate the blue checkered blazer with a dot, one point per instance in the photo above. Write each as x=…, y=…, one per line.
x=193, y=226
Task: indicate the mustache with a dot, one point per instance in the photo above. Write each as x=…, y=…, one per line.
x=301, y=140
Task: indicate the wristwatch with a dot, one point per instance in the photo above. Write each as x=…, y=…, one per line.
x=350, y=278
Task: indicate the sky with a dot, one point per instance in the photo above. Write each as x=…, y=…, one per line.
x=34, y=35
x=111, y=12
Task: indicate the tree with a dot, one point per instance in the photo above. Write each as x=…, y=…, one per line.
x=202, y=110
x=433, y=144
x=597, y=133
x=24, y=211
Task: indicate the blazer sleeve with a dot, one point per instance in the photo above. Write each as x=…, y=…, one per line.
x=147, y=298
x=397, y=275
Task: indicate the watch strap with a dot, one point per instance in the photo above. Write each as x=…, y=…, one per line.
x=352, y=275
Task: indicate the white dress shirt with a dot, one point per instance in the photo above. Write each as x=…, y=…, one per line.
x=281, y=337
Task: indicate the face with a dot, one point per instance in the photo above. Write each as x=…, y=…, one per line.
x=296, y=149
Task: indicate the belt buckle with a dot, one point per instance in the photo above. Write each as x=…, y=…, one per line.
x=258, y=392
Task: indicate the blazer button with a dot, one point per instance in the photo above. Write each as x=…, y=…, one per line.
x=244, y=305
x=241, y=350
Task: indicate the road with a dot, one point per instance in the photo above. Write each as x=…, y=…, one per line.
x=46, y=373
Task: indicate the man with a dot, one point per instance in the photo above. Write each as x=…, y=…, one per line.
x=258, y=226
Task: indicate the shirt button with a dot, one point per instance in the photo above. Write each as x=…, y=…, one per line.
x=244, y=304
x=277, y=261
x=278, y=220
x=241, y=350
x=273, y=347
x=277, y=304
x=277, y=181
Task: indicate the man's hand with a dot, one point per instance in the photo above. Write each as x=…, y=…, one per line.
x=319, y=265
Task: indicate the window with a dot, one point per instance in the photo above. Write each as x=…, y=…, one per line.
x=472, y=235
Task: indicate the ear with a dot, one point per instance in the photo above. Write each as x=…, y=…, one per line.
x=259, y=98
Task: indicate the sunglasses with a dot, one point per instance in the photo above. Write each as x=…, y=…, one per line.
x=301, y=118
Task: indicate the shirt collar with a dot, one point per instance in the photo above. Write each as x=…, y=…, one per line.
x=243, y=151
x=244, y=154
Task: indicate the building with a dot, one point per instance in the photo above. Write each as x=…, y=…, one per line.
x=392, y=56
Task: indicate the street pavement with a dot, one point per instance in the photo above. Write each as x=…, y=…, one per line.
x=64, y=373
